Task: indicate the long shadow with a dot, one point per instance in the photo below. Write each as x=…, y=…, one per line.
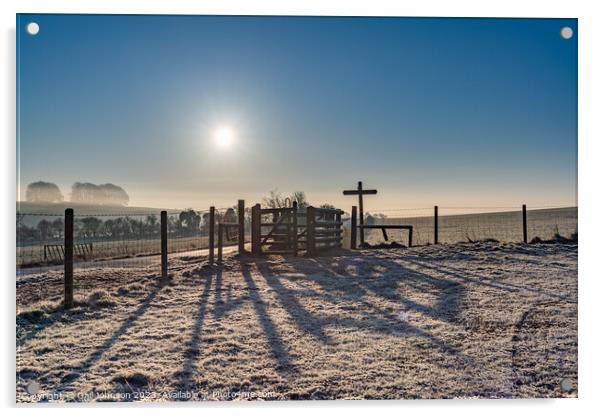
x=99, y=352
x=446, y=308
x=387, y=321
x=288, y=299
x=481, y=280
x=193, y=347
x=278, y=349
x=221, y=307
x=46, y=322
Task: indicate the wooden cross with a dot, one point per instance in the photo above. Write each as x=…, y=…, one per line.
x=360, y=192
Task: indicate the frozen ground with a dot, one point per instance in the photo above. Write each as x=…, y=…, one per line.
x=482, y=320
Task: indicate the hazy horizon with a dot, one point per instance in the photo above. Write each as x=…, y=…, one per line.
x=193, y=111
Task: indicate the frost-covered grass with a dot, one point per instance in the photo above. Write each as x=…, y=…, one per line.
x=484, y=320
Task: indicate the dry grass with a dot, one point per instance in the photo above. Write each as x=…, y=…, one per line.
x=484, y=320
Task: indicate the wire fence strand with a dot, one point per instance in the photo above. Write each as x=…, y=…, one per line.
x=115, y=238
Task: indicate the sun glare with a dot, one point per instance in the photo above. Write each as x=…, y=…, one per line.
x=224, y=136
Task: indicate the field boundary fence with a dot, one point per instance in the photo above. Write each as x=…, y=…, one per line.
x=455, y=224
x=152, y=238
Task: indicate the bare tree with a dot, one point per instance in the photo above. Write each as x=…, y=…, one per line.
x=277, y=200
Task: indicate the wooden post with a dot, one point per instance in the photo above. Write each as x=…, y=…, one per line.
x=436, y=224
x=164, y=244
x=256, y=229
x=68, y=258
x=295, y=241
x=525, y=223
x=353, y=244
x=241, y=226
x=311, y=231
x=211, y=235
x=339, y=228
x=220, y=241
x=410, y=236
x=361, y=206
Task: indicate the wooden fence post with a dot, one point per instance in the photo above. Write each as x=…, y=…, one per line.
x=164, y=244
x=211, y=235
x=256, y=229
x=68, y=258
x=525, y=223
x=361, y=206
x=353, y=244
x=311, y=231
x=241, y=226
x=436, y=224
x=294, y=230
x=339, y=228
x=220, y=241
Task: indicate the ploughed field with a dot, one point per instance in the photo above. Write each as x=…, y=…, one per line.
x=470, y=320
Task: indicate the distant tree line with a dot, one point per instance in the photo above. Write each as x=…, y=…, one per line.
x=187, y=223
x=82, y=192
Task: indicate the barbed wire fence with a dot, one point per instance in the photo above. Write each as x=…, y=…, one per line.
x=116, y=241
x=456, y=224
x=112, y=241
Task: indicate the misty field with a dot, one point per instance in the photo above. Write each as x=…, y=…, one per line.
x=470, y=320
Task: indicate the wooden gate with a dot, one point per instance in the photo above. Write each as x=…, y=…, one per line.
x=274, y=230
x=324, y=229
x=290, y=230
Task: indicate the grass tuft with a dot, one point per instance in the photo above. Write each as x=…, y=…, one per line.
x=133, y=380
x=100, y=299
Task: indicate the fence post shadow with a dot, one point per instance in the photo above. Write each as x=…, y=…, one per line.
x=366, y=287
x=193, y=349
x=304, y=320
x=278, y=349
x=99, y=352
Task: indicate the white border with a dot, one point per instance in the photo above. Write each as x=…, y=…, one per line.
x=590, y=135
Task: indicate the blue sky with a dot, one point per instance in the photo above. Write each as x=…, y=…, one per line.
x=430, y=111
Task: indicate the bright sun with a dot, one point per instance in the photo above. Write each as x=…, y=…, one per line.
x=224, y=136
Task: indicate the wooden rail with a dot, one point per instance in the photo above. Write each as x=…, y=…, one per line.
x=56, y=252
x=290, y=230
x=281, y=236
x=385, y=227
x=323, y=229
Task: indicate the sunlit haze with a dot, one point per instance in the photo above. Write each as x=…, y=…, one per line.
x=199, y=110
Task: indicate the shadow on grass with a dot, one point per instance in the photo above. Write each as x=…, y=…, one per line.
x=277, y=346
x=304, y=320
x=193, y=348
x=221, y=306
x=481, y=280
x=77, y=372
x=337, y=287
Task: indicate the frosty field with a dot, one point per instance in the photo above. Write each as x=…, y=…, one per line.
x=469, y=320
